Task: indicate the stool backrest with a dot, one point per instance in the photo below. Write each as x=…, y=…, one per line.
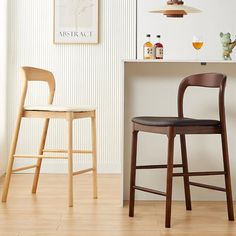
x=36, y=74
x=207, y=80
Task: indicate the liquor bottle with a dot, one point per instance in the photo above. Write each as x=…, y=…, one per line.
x=148, y=50
x=158, y=48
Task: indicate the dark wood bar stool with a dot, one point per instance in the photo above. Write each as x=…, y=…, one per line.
x=172, y=126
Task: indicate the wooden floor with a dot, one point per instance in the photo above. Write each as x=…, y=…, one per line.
x=47, y=214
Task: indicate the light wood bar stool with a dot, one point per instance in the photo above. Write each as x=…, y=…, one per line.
x=182, y=126
x=69, y=113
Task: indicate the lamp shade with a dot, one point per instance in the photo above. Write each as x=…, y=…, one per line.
x=175, y=10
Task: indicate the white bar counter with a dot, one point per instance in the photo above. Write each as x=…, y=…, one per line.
x=177, y=61
x=150, y=88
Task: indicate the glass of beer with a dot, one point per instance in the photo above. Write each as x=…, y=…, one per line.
x=197, y=44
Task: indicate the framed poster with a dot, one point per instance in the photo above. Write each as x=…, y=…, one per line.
x=75, y=21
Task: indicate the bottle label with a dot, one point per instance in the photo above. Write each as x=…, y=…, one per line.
x=159, y=53
x=148, y=52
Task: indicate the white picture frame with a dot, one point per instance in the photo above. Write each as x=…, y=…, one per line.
x=75, y=21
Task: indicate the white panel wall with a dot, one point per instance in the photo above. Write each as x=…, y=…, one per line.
x=216, y=16
x=85, y=74
x=3, y=78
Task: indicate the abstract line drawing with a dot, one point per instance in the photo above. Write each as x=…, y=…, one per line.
x=75, y=21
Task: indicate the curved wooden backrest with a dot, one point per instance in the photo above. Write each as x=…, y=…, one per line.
x=36, y=74
x=207, y=80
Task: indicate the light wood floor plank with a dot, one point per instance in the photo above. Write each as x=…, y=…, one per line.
x=47, y=214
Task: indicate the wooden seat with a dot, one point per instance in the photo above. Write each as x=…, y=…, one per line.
x=172, y=126
x=69, y=113
x=59, y=108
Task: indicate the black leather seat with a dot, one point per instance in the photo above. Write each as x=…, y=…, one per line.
x=173, y=121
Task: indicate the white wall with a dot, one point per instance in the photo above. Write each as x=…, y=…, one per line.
x=177, y=34
x=85, y=74
x=3, y=79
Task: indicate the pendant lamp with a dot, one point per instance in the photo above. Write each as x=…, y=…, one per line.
x=175, y=8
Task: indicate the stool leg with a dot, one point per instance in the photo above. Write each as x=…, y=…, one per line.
x=40, y=152
x=171, y=136
x=11, y=159
x=70, y=160
x=227, y=176
x=94, y=150
x=185, y=170
x=133, y=172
